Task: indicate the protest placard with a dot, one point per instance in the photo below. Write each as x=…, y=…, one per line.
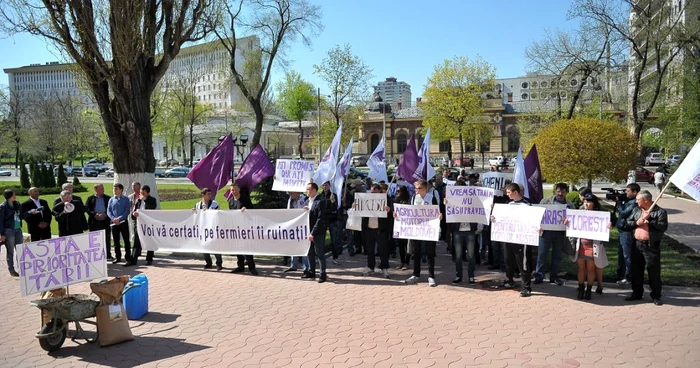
x=259, y=232
x=370, y=204
x=417, y=222
x=516, y=224
x=292, y=175
x=58, y=262
x=588, y=224
x=450, y=183
x=495, y=181
x=554, y=215
x=469, y=204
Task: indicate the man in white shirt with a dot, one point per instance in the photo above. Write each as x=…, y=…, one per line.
x=209, y=204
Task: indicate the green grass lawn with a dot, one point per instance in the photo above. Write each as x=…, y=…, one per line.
x=677, y=265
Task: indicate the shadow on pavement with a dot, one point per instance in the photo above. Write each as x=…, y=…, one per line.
x=142, y=350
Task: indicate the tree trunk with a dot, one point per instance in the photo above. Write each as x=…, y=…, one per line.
x=259, y=120
x=461, y=149
x=301, y=141
x=191, y=143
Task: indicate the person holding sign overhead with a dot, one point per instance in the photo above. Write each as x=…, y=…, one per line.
x=423, y=197
x=590, y=255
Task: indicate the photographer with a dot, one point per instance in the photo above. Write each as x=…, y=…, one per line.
x=625, y=205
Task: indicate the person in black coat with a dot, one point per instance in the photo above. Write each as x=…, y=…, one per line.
x=317, y=207
x=39, y=224
x=240, y=200
x=70, y=222
x=96, y=208
x=144, y=202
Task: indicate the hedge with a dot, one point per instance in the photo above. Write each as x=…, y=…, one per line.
x=54, y=190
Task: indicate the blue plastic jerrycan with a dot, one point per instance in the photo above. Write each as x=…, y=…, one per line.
x=136, y=299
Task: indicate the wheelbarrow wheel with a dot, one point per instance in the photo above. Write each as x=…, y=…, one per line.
x=54, y=341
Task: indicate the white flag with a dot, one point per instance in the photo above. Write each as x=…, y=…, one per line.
x=377, y=163
x=326, y=168
x=519, y=176
x=425, y=170
x=687, y=176
x=341, y=171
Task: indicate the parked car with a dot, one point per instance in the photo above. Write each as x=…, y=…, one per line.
x=4, y=172
x=100, y=168
x=673, y=159
x=66, y=169
x=497, y=161
x=177, y=172
x=357, y=174
x=90, y=172
x=643, y=175
x=159, y=173
x=654, y=159
x=358, y=161
x=109, y=173
x=196, y=162
x=169, y=162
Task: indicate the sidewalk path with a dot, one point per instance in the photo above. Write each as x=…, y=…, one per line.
x=216, y=319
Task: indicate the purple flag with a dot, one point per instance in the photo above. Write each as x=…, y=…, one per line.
x=255, y=168
x=214, y=171
x=534, y=175
x=409, y=161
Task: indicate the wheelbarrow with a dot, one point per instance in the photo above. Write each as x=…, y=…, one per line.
x=62, y=311
x=75, y=308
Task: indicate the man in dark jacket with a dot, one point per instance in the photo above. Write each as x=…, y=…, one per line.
x=317, y=207
x=143, y=202
x=624, y=208
x=70, y=215
x=648, y=228
x=96, y=207
x=38, y=224
x=375, y=231
x=332, y=221
x=11, y=217
x=241, y=201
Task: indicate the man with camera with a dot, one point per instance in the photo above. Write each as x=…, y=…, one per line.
x=625, y=205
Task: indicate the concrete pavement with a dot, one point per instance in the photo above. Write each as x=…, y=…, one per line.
x=204, y=318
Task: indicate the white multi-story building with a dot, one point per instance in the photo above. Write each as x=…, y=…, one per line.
x=397, y=94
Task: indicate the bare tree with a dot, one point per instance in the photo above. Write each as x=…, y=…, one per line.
x=122, y=48
x=275, y=24
x=657, y=32
x=13, y=114
x=348, y=80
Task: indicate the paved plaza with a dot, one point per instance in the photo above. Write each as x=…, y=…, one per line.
x=202, y=318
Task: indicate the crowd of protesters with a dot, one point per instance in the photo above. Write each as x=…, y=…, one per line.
x=640, y=229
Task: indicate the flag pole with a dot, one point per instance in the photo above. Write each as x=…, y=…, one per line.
x=660, y=195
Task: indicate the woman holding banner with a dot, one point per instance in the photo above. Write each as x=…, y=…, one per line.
x=590, y=255
x=404, y=254
x=464, y=239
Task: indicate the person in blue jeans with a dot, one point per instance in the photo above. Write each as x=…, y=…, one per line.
x=556, y=240
x=624, y=207
x=11, y=217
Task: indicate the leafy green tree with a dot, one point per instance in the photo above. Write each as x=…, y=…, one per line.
x=24, y=176
x=586, y=149
x=61, y=177
x=347, y=77
x=453, y=100
x=37, y=174
x=296, y=97
x=49, y=179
